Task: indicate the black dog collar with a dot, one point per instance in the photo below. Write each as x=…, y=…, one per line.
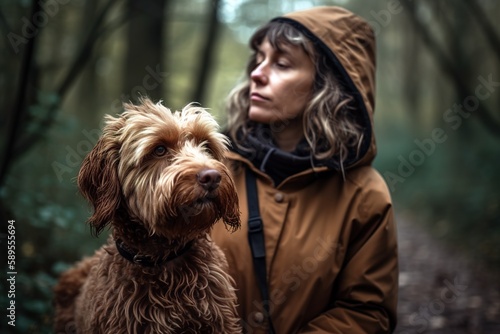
x=145, y=260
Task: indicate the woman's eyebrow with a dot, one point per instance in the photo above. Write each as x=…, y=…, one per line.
x=279, y=50
x=284, y=49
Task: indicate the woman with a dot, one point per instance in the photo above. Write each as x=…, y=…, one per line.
x=301, y=126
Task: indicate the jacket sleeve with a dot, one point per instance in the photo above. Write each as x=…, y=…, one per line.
x=365, y=291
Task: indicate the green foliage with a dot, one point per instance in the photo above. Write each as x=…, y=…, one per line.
x=50, y=216
x=454, y=192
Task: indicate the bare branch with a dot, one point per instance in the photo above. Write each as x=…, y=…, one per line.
x=207, y=53
x=485, y=24
x=447, y=65
x=74, y=71
x=19, y=108
x=4, y=24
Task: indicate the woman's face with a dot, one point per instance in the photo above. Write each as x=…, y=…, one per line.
x=280, y=84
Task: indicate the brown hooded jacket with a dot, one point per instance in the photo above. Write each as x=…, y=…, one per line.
x=330, y=242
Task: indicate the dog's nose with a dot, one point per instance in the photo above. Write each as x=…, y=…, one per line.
x=209, y=179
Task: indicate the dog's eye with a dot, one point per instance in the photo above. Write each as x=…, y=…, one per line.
x=207, y=147
x=160, y=151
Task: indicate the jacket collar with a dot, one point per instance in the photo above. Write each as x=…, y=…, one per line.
x=279, y=165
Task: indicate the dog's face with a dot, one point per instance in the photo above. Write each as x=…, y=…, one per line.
x=164, y=169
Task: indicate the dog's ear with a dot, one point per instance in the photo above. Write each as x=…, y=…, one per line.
x=232, y=217
x=232, y=222
x=98, y=179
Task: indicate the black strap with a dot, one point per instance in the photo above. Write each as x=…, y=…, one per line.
x=256, y=240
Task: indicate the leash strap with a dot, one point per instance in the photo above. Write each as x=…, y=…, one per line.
x=256, y=241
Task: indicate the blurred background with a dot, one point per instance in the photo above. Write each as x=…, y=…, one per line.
x=64, y=64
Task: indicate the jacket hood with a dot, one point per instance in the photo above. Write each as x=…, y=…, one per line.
x=349, y=43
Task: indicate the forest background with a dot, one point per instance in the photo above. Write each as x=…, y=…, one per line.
x=64, y=64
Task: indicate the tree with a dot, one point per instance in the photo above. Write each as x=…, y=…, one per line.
x=19, y=139
x=207, y=52
x=143, y=74
x=457, y=74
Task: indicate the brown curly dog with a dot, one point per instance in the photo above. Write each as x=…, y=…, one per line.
x=157, y=179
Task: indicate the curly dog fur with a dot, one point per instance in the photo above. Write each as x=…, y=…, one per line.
x=158, y=180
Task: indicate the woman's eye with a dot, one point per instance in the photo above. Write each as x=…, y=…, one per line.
x=160, y=151
x=282, y=64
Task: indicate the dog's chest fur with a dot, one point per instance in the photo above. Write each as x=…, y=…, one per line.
x=179, y=296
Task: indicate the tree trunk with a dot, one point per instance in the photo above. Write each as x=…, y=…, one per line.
x=21, y=102
x=207, y=54
x=143, y=72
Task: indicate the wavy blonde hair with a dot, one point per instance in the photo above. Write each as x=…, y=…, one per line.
x=329, y=127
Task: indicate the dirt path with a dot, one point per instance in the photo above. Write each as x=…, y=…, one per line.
x=441, y=291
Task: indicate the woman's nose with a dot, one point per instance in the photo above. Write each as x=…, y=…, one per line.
x=259, y=74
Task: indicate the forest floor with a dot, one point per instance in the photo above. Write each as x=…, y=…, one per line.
x=441, y=290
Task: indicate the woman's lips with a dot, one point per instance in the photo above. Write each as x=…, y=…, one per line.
x=258, y=97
